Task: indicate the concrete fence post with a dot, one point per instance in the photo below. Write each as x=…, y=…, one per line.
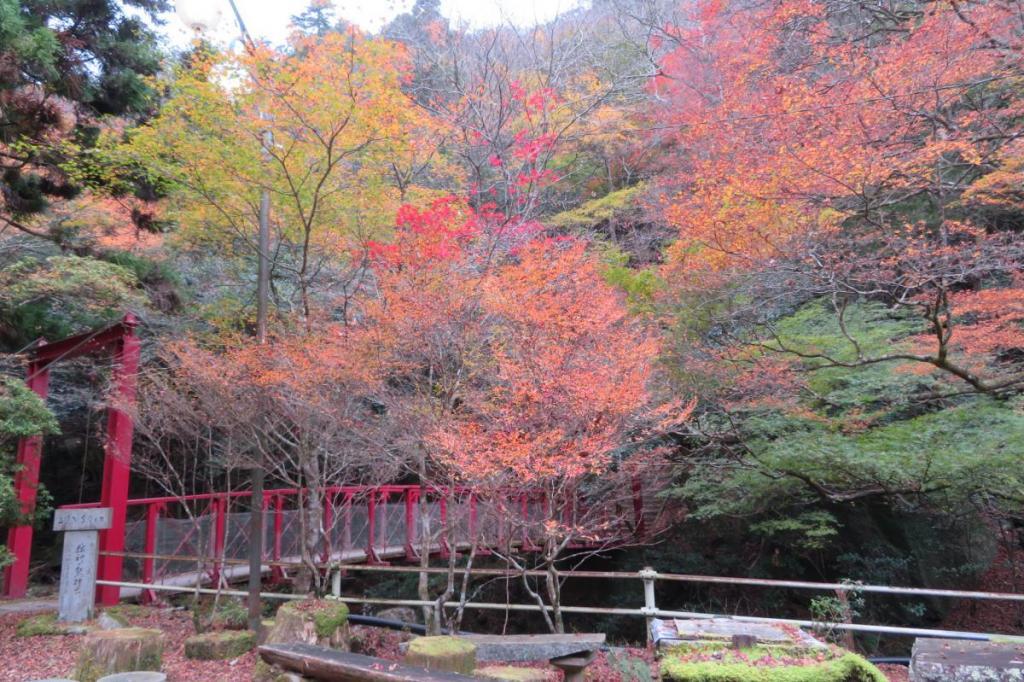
x=650, y=609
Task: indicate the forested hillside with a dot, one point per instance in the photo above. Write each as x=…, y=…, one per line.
x=767, y=256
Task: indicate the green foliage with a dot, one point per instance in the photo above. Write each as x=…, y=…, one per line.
x=640, y=284
x=846, y=668
x=614, y=206
x=909, y=455
x=145, y=270
x=61, y=60
x=41, y=625
x=809, y=530
x=22, y=413
x=36, y=46
x=858, y=429
x=231, y=614
x=815, y=328
x=827, y=611
x=328, y=619
x=63, y=295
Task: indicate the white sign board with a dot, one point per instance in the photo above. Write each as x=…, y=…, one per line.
x=81, y=528
x=82, y=519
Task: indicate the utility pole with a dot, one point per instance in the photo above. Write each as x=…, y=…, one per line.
x=203, y=15
x=262, y=306
x=256, y=510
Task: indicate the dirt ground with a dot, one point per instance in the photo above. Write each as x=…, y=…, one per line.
x=34, y=658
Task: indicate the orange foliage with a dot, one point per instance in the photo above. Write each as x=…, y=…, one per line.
x=521, y=359
x=792, y=121
x=569, y=371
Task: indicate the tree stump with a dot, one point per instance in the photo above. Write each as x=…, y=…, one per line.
x=452, y=654
x=105, y=652
x=219, y=645
x=312, y=621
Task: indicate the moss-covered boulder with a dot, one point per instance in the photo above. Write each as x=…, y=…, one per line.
x=510, y=673
x=219, y=644
x=322, y=622
x=41, y=624
x=757, y=665
x=453, y=654
x=105, y=652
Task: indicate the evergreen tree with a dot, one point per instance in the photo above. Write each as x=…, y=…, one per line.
x=62, y=66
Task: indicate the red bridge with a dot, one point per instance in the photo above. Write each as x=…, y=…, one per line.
x=204, y=538
x=182, y=540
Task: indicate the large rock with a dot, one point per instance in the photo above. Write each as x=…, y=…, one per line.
x=312, y=621
x=219, y=645
x=452, y=654
x=105, y=652
x=955, y=660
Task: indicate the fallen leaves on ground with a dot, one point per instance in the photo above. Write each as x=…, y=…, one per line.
x=35, y=658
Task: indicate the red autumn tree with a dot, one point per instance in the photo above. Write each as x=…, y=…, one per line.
x=853, y=152
x=301, y=408
x=512, y=364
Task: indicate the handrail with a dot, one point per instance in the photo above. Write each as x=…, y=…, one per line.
x=617, y=575
x=618, y=611
x=390, y=489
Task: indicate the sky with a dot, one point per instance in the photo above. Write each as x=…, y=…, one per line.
x=268, y=19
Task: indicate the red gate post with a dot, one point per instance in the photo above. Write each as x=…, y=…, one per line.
x=26, y=485
x=117, y=455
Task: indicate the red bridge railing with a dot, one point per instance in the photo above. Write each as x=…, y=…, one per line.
x=204, y=537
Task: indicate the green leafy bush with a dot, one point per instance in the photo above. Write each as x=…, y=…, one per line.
x=757, y=665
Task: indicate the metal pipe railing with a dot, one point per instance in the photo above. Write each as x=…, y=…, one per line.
x=621, y=575
x=644, y=612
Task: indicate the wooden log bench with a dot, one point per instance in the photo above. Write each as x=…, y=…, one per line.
x=332, y=665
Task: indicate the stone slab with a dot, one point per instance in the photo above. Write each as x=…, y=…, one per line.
x=955, y=660
x=520, y=648
x=669, y=632
x=725, y=628
x=82, y=519
x=77, y=599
